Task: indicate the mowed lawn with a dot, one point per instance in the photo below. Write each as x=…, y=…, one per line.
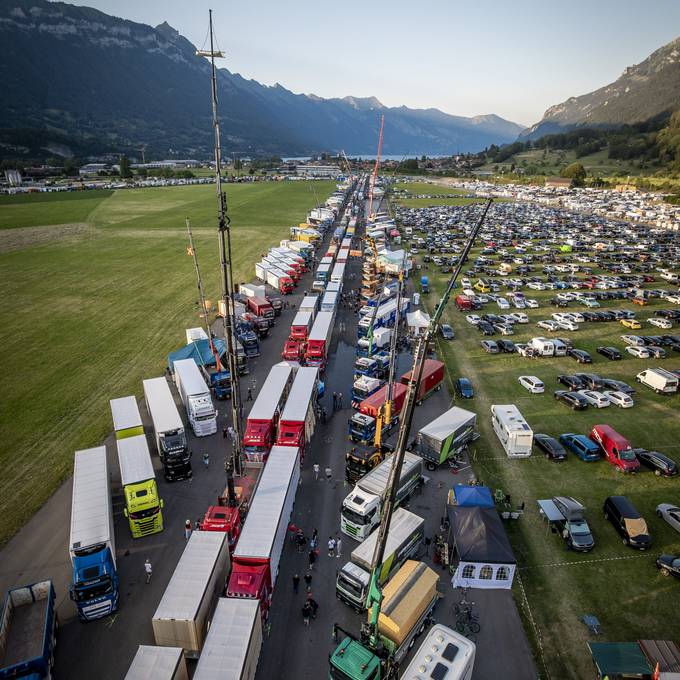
x=86, y=320
x=621, y=586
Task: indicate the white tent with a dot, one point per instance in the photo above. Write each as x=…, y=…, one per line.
x=417, y=322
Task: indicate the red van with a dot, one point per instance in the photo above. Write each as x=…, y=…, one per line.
x=616, y=448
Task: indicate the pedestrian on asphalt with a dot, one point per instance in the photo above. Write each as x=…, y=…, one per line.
x=254, y=384
x=187, y=530
x=338, y=547
x=312, y=558
x=148, y=569
x=315, y=539
x=316, y=471
x=340, y=401
x=329, y=474
x=313, y=605
x=300, y=540
x=197, y=525
x=296, y=583
x=225, y=432
x=232, y=433
x=308, y=580
x=335, y=400
x=206, y=459
x=323, y=415
x=306, y=613
x=331, y=546
x=250, y=395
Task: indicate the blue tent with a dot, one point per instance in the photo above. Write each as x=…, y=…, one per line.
x=473, y=496
x=199, y=351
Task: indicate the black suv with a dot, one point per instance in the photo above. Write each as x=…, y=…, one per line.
x=628, y=522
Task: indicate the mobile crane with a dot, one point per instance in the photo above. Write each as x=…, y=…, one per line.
x=372, y=657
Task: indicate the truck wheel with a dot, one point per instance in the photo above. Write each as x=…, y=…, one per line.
x=431, y=467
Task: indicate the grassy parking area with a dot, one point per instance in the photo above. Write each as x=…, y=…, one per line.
x=619, y=585
x=87, y=318
x=444, y=195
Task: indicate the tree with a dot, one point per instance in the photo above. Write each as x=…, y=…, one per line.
x=574, y=171
x=238, y=164
x=124, y=164
x=141, y=172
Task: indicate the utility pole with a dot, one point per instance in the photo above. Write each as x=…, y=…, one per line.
x=224, y=237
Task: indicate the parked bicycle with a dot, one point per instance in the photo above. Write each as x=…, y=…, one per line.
x=469, y=630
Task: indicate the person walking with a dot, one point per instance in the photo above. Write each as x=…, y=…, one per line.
x=335, y=401
x=225, y=432
x=340, y=401
x=306, y=612
x=296, y=583
x=300, y=540
x=206, y=459
x=312, y=558
x=148, y=569
x=187, y=530
x=331, y=546
x=308, y=580
x=338, y=547
x=314, y=540
x=329, y=474
x=323, y=415
x=313, y=605
x=197, y=525
x=317, y=469
x=250, y=395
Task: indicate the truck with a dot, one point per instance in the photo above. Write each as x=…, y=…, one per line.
x=362, y=424
x=365, y=366
x=616, y=448
x=302, y=324
x=181, y=618
x=381, y=338
x=28, y=632
x=297, y=421
x=445, y=437
x=279, y=280
x=329, y=302
x=338, y=272
x=142, y=502
x=232, y=646
x=293, y=351
x=126, y=419
x=288, y=268
x=323, y=273
x=319, y=340
x=251, y=289
x=247, y=338
x=262, y=421
x=444, y=654
x=255, y=561
x=431, y=379
x=94, y=579
x=363, y=388
x=260, y=306
x=222, y=517
x=310, y=303
x=385, y=316
x=261, y=269
x=405, y=539
x=512, y=430
x=168, y=429
x=196, y=398
x=361, y=509
x=658, y=379
x=158, y=663
x=424, y=285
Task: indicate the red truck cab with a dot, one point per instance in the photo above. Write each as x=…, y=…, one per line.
x=315, y=354
x=260, y=307
x=251, y=580
x=222, y=518
x=616, y=448
x=293, y=350
x=463, y=303
x=258, y=438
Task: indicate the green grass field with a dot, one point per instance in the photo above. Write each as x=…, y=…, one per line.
x=415, y=188
x=86, y=319
x=619, y=585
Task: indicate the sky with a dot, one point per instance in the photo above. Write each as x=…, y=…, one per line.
x=514, y=58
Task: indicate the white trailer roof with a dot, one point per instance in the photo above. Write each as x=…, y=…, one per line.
x=440, y=428
x=190, y=377
x=338, y=270
x=375, y=481
x=301, y=393
x=155, y=663
x=91, y=500
x=161, y=405
x=125, y=413
x=329, y=298
x=324, y=267
x=510, y=416
x=309, y=302
x=134, y=460
x=301, y=319
x=227, y=644
x=333, y=287
x=270, y=392
x=259, y=529
x=186, y=590
x=323, y=326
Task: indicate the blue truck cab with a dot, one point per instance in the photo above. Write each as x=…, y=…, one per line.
x=220, y=381
x=94, y=586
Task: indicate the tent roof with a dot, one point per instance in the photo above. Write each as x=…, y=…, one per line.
x=619, y=657
x=479, y=535
x=473, y=496
x=418, y=319
x=665, y=652
x=199, y=351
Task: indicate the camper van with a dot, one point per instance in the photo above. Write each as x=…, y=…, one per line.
x=512, y=430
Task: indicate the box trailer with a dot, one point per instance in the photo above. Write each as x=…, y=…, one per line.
x=260, y=306
x=182, y=614
x=261, y=269
x=251, y=289
x=279, y=280
x=298, y=419
x=195, y=395
x=319, y=340
x=302, y=324
x=338, y=273
x=310, y=303
x=431, y=379
x=443, y=654
x=446, y=436
x=232, y=647
x=258, y=551
x=404, y=541
x=329, y=302
x=92, y=548
x=512, y=430
x=158, y=663
x=126, y=419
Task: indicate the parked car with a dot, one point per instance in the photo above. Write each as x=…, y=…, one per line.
x=551, y=448
x=656, y=351
x=485, y=328
x=618, y=385
x=668, y=565
x=660, y=323
x=662, y=465
x=472, y=319
x=586, y=449
x=633, y=340
x=620, y=399
x=490, y=347
x=571, y=381
x=504, y=328
x=507, y=346
x=574, y=528
x=531, y=383
x=669, y=513
x=616, y=448
x=567, y=325
x=574, y=400
x=446, y=331
x=633, y=324
x=638, y=352
x=596, y=399
x=610, y=353
x=581, y=356
x=532, y=304
x=463, y=388
x=628, y=522
x=592, y=381
x=548, y=325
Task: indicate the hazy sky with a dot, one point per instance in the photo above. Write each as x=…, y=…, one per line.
x=510, y=57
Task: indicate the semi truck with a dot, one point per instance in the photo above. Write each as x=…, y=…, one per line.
x=385, y=316
x=261, y=424
x=329, y=302
x=361, y=509
x=362, y=424
x=404, y=541
x=126, y=419
x=302, y=323
x=260, y=306
x=446, y=436
x=279, y=280
x=430, y=381
x=363, y=388
x=196, y=398
x=298, y=419
x=251, y=289
x=158, y=663
x=255, y=561
x=222, y=517
x=247, y=338
x=181, y=617
x=142, y=502
x=94, y=579
x=310, y=303
x=379, y=339
x=28, y=630
x=293, y=351
x=319, y=340
x=168, y=429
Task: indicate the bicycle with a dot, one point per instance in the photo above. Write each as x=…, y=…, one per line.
x=469, y=630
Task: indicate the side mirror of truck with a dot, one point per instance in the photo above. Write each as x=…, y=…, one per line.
x=71, y=594
x=125, y=512
x=162, y=503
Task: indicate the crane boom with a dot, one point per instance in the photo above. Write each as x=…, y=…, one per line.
x=374, y=176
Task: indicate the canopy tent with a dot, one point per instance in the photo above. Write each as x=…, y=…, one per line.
x=666, y=653
x=465, y=496
x=200, y=352
x=417, y=321
x=484, y=553
x=619, y=658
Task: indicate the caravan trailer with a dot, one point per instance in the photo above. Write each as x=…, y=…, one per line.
x=512, y=430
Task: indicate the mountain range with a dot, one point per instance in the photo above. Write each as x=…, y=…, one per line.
x=644, y=92
x=79, y=81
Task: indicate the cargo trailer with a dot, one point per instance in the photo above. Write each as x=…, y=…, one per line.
x=446, y=436
x=298, y=419
x=196, y=397
x=158, y=663
x=126, y=419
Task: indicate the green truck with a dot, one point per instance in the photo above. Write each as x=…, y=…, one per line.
x=445, y=437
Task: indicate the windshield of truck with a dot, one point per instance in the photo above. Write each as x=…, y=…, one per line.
x=627, y=454
x=579, y=529
x=141, y=514
x=354, y=517
x=171, y=442
x=208, y=417
x=89, y=592
x=354, y=589
x=254, y=449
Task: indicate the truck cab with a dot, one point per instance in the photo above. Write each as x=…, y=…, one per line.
x=293, y=350
x=222, y=518
x=353, y=661
x=365, y=366
x=363, y=388
x=252, y=581
x=258, y=439
x=359, y=461
x=94, y=586
x=360, y=513
x=143, y=508
x=248, y=340
x=220, y=383
x=361, y=428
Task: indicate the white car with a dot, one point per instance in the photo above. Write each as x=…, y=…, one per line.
x=548, y=325
x=532, y=383
x=620, y=399
x=634, y=340
x=670, y=513
x=473, y=319
x=594, y=398
x=532, y=304
x=639, y=352
x=519, y=317
x=468, y=291
x=675, y=299
x=519, y=303
x=576, y=317
x=503, y=303
x=536, y=285
x=558, y=316
x=466, y=283
x=567, y=325
x=660, y=323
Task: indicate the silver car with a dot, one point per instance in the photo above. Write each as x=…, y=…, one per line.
x=670, y=513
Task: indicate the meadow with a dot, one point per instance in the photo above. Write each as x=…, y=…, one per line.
x=87, y=317
x=410, y=191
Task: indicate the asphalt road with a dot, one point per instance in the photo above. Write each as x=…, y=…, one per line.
x=105, y=648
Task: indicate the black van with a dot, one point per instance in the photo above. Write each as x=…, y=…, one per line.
x=628, y=522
